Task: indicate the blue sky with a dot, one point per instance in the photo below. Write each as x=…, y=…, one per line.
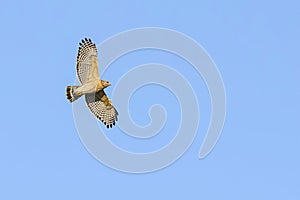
x=255, y=45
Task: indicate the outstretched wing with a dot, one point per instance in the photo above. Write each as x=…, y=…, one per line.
x=101, y=106
x=87, y=61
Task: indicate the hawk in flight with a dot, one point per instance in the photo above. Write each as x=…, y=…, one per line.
x=91, y=85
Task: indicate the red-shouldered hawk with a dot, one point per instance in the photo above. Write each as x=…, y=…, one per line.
x=92, y=86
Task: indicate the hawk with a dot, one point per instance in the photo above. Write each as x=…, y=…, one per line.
x=91, y=85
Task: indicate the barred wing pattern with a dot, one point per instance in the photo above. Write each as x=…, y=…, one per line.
x=87, y=61
x=101, y=106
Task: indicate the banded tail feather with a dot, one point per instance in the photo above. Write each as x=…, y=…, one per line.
x=71, y=96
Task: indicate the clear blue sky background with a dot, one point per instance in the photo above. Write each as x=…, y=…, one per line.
x=255, y=44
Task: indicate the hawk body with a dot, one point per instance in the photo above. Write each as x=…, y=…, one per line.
x=92, y=86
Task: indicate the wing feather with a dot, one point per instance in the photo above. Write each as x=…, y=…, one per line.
x=101, y=106
x=87, y=61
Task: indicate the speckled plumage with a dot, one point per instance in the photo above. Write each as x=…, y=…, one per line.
x=92, y=86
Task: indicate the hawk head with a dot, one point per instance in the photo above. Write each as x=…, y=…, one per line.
x=105, y=83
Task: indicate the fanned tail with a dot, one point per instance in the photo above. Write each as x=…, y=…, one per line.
x=71, y=96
